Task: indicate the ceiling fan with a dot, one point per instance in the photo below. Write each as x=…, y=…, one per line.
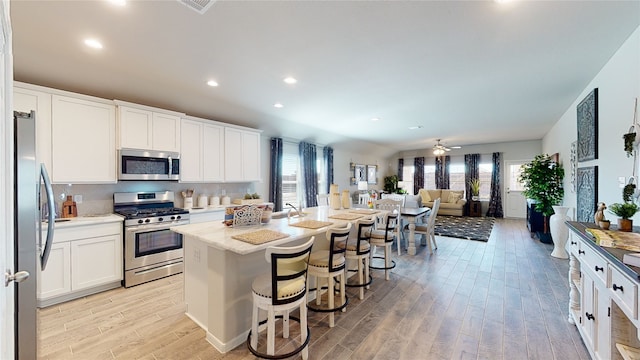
x=439, y=149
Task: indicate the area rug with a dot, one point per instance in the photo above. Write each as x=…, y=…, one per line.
x=464, y=227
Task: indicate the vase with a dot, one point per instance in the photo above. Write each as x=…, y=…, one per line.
x=559, y=231
x=334, y=201
x=625, y=225
x=346, y=199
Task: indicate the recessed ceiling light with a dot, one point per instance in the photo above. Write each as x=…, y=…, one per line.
x=502, y=1
x=118, y=2
x=415, y=127
x=278, y=105
x=212, y=83
x=375, y=119
x=290, y=80
x=93, y=43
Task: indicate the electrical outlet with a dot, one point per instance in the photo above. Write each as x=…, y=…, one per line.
x=196, y=255
x=621, y=182
x=77, y=199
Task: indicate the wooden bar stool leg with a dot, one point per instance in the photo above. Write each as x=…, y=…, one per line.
x=285, y=324
x=361, y=278
x=330, y=294
x=343, y=280
x=303, y=330
x=254, y=327
x=367, y=274
x=271, y=333
x=387, y=263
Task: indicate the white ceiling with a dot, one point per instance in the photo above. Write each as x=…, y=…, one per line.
x=469, y=72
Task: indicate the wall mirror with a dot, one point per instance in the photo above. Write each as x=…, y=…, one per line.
x=359, y=174
x=372, y=174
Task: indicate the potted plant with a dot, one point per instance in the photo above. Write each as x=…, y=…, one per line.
x=629, y=140
x=625, y=211
x=391, y=185
x=542, y=181
x=474, y=186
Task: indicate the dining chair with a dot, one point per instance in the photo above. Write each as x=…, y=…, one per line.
x=322, y=199
x=363, y=199
x=280, y=291
x=392, y=205
x=428, y=229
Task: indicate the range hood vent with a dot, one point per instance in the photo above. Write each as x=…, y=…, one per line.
x=201, y=6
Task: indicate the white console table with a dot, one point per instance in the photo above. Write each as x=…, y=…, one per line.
x=603, y=297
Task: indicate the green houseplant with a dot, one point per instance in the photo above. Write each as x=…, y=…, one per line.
x=626, y=209
x=474, y=186
x=391, y=185
x=542, y=181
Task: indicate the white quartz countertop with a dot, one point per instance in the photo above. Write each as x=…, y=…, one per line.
x=86, y=220
x=216, y=234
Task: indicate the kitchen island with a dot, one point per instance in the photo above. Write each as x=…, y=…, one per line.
x=219, y=270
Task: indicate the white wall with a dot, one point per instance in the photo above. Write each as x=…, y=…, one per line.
x=618, y=85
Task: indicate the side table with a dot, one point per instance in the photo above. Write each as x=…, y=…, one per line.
x=475, y=208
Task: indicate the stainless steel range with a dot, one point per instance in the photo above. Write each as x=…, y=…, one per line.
x=151, y=250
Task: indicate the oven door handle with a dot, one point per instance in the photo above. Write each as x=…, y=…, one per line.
x=157, y=226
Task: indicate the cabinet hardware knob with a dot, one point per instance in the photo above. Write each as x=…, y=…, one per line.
x=589, y=316
x=581, y=252
x=616, y=287
x=598, y=268
x=574, y=243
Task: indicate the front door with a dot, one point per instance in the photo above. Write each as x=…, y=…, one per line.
x=516, y=204
x=7, y=302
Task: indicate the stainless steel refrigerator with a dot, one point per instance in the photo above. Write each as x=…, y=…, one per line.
x=32, y=200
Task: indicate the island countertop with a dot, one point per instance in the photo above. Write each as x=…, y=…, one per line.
x=216, y=234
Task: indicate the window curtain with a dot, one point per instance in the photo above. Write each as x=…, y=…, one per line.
x=471, y=171
x=400, y=169
x=442, y=172
x=275, y=180
x=327, y=153
x=309, y=178
x=495, y=202
x=418, y=174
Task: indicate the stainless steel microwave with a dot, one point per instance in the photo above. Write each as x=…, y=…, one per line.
x=136, y=164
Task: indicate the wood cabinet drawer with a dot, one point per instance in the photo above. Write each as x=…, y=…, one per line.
x=594, y=262
x=625, y=291
x=84, y=232
x=574, y=244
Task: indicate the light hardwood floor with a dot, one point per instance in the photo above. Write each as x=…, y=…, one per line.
x=504, y=299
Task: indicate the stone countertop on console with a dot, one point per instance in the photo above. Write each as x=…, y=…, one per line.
x=217, y=235
x=62, y=223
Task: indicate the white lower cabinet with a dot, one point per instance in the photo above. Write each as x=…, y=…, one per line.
x=56, y=279
x=83, y=260
x=605, y=306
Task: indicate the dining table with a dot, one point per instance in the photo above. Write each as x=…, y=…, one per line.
x=412, y=215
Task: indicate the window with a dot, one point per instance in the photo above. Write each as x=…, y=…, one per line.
x=407, y=177
x=290, y=171
x=485, y=170
x=430, y=177
x=322, y=172
x=456, y=177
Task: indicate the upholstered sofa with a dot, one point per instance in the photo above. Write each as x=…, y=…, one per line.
x=452, y=202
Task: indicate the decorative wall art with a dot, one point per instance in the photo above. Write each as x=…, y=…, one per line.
x=587, y=111
x=359, y=174
x=574, y=165
x=587, y=193
x=372, y=174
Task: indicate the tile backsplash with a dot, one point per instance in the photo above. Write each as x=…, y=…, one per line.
x=98, y=199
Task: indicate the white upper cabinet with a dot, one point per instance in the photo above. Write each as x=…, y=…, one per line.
x=146, y=128
x=83, y=137
x=26, y=100
x=241, y=155
x=201, y=154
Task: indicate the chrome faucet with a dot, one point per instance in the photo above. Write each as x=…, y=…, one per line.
x=294, y=208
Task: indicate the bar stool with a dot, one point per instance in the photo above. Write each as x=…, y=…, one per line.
x=282, y=290
x=358, y=249
x=383, y=236
x=330, y=264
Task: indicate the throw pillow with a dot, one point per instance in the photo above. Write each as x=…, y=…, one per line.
x=454, y=196
x=424, y=194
